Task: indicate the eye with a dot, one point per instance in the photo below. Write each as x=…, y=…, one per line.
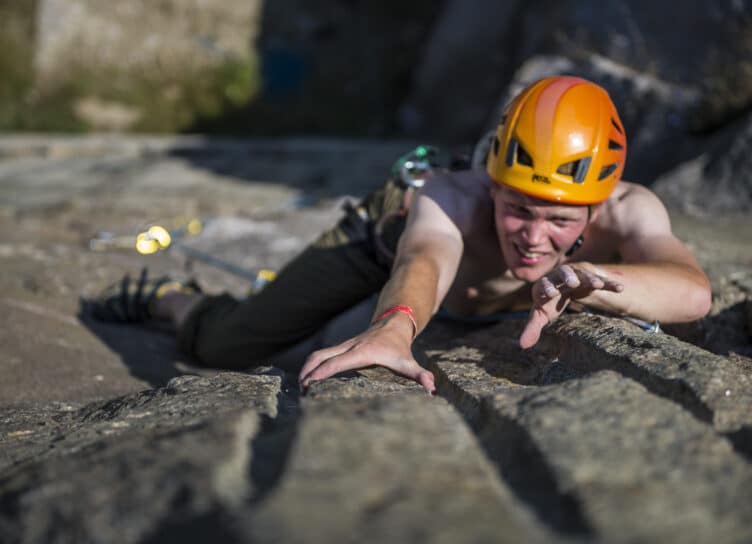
x=518, y=210
x=562, y=221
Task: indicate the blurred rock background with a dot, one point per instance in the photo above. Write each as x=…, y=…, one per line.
x=440, y=71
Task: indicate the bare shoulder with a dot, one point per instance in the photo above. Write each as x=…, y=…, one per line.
x=637, y=218
x=464, y=196
x=633, y=209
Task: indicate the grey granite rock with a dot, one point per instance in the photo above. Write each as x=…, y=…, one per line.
x=157, y=463
x=381, y=461
x=601, y=457
x=369, y=459
x=714, y=389
x=710, y=386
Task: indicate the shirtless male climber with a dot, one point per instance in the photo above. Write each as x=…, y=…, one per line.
x=547, y=224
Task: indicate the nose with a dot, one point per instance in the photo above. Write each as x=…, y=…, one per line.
x=534, y=232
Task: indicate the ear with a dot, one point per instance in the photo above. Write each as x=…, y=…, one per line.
x=595, y=210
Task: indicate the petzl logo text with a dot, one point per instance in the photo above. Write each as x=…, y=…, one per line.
x=537, y=178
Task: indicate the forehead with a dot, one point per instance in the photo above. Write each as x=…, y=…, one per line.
x=505, y=194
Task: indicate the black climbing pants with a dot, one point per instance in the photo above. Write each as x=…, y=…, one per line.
x=337, y=272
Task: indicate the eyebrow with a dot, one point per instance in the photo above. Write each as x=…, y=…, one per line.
x=560, y=213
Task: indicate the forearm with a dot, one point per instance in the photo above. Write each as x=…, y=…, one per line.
x=414, y=282
x=663, y=291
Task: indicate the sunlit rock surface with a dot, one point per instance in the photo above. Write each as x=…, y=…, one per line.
x=602, y=433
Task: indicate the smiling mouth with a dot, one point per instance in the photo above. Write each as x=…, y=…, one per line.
x=529, y=257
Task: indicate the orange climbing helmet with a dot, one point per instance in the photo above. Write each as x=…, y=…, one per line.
x=561, y=140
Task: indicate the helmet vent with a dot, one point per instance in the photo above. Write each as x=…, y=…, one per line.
x=568, y=168
x=511, y=152
x=607, y=171
x=523, y=157
x=615, y=145
x=496, y=146
x=576, y=169
x=617, y=126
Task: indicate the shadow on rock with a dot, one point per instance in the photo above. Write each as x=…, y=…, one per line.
x=320, y=169
x=150, y=355
x=723, y=333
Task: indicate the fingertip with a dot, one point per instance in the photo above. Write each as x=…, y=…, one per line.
x=427, y=380
x=529, y=338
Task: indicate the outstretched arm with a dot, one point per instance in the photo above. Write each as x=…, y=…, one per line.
x=427, y=259
x=658, y=278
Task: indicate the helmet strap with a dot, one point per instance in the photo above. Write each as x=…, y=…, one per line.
x=581, y=238
x=577, y=243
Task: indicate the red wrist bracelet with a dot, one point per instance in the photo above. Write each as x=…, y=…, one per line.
x=401, y=308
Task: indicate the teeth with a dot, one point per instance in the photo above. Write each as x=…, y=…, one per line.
x=529, y=254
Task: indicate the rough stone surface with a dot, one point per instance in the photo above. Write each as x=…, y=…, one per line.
x=133, y=468
x=591, y=450
x=717, y=178
x=413, y=471
x=715, y=389
x=712, y=387
x=601, y=433
x=595, y=454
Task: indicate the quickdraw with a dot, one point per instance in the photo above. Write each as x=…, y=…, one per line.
x=411, y=171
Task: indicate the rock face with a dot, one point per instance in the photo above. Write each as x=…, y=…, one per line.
x=594, y=413
x=606, y=433
x=602, y=433
x=718, y=178
x=181, y=453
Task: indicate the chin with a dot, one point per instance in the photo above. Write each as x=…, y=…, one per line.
x=528, y=273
